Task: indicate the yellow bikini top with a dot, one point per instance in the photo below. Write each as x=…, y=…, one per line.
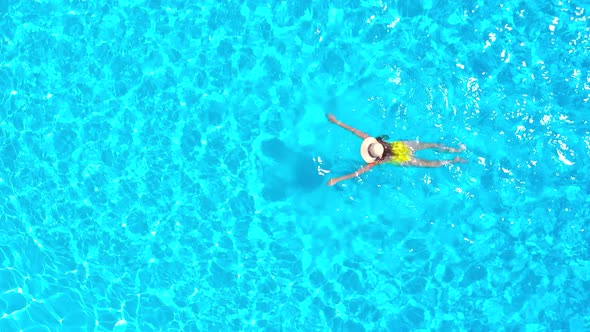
x=401, y=153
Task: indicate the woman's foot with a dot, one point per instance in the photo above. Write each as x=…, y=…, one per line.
x=459, y=160
x=452, y=150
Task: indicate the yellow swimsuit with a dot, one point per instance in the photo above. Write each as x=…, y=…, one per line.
x=401, y=153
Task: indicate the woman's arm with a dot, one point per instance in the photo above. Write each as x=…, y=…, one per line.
x=360, y=171
x=357, y=132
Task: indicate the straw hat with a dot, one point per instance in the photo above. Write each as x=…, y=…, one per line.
x=371, y=150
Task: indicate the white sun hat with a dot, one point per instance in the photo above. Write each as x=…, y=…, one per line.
x=371, y=150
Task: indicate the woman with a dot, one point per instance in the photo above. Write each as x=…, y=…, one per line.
x=377, y=151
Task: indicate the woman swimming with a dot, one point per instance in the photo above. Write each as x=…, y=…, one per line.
x=377, y=151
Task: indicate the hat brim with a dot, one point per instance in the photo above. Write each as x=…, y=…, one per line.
x=365, y=149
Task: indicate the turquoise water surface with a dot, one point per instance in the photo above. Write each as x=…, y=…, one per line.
x=163, y=166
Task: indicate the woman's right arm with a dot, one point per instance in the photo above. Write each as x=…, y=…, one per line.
x=360, y=171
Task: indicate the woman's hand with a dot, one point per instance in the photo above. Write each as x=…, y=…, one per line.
x=332, y=182
x=331, y=117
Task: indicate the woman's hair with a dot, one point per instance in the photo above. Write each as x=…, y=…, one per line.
x=388, y=151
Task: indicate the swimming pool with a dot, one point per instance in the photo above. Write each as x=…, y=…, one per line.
x=163, y=166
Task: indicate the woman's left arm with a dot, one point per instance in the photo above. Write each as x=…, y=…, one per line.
x=355, y=131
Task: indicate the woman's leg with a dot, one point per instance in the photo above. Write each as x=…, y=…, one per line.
x=416, y=146
x=432, y=163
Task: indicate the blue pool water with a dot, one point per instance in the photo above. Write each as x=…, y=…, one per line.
x=163, y=166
